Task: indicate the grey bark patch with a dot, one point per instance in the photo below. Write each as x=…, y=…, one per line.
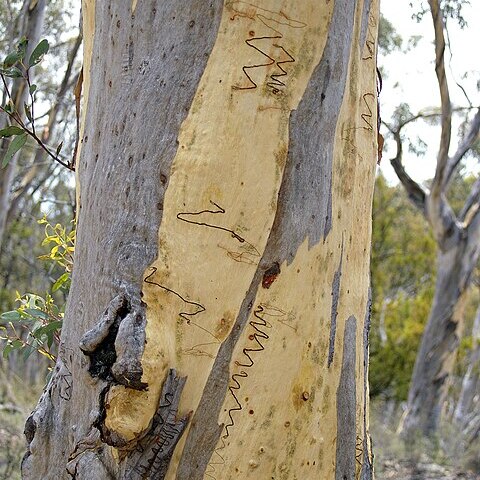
x=334, y=312
x=365, y=19
x=92, y=339
x=305, y=197
x=346, y=406
x=115, y=345
x=367, y=467
x=152, y=453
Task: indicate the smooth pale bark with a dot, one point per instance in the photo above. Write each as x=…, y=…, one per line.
x=225, y=174
x=32, y=15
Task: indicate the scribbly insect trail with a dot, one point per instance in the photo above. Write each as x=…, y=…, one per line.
x=66, y=379
x=248, y=254
x=368, y=116
x=187, y=316
x=275, y=84
x=193, y=218
x=182, y=216
x=258, y=337
x=162, y=442
x=267, y=17
x=370, y=41
x=247, y=249
x=273, y=21
x=359, y=450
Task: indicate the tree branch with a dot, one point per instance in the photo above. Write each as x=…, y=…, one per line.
x=471, y=204
x=442, y=158
x=414, y=191
x=465, y=145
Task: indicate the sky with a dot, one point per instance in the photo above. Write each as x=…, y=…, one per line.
x=410, y=78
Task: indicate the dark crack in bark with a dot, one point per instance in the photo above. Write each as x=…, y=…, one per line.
x=115, y=344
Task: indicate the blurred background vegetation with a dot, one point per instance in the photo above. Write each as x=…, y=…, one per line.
x=404, y=256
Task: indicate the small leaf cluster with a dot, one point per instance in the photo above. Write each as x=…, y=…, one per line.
x=36, y=323
x=40, y=318
x=62, y=242
x=17, y=66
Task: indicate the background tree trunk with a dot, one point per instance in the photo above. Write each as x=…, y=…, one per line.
x=465, y=409
x=457, y=237
x=32, y=16
x=225, y=179
x=437, y=352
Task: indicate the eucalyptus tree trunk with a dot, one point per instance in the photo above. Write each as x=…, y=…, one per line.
x=437, y=353
x=32, y=15
x=217, y=324
x=458, y=242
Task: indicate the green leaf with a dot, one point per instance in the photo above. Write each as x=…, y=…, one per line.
x=9, y=107
x=12, y=316
x=8, y=348
x=13, y=72
x=27, y=351
x=32, y=88
x=39, y=51
x=60, y=282
x=22, y=47
x=15, y=145
x=11, y=59
x=10, y=130
x=48, y=330
x=36, y=313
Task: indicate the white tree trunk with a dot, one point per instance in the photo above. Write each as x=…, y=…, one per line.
x=225, y=186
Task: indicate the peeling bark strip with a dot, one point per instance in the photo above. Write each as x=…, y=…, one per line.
x=333, y=316
x=153, y=452
x=365, y=20
x=346, y=406
x=205, y=432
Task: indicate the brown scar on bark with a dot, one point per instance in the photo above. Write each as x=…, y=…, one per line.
x=270, y=275
x=115, y=344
